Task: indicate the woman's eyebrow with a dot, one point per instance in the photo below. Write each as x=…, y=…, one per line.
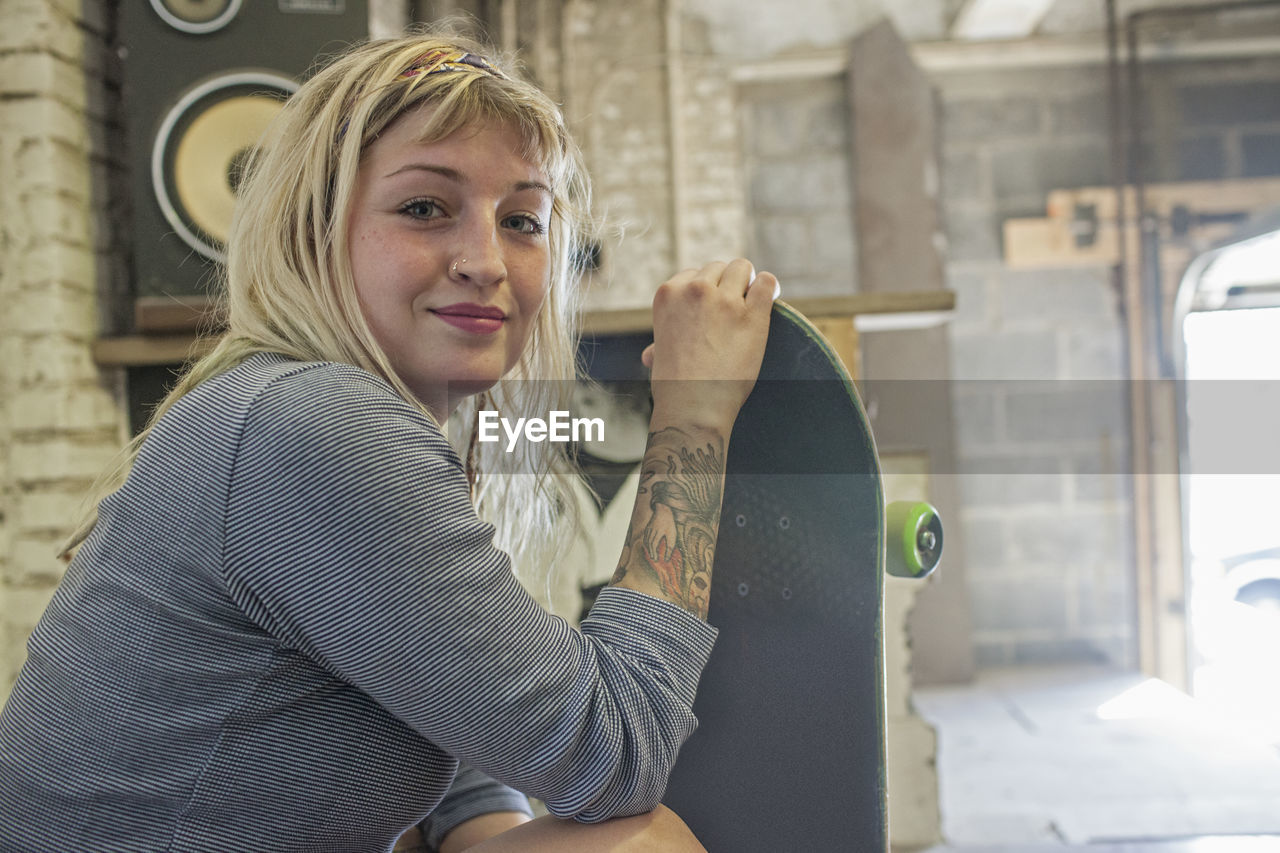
x=521, y=186
x=444, y=171
x=459, y=178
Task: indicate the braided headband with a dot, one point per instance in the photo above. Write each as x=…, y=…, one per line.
x=438, y=61
x=442, y=59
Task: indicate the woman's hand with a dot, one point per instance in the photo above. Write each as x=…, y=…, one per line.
x=709, y=332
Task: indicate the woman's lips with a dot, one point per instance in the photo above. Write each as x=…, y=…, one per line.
x=476, y=319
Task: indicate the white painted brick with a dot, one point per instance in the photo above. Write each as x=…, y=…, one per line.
x=49, y=262
x=56, y=216
x=22, y=607
x=31, y=71
x=58, y=459
x=47, y=300
x=64, y=410
x=58, y=12
x=47, y=513
x=783, y=245
x=44, y=361
x=52, y=165
x=35, y=25
x=43, y=117
x=34, y=565
x=54, y=309
x=716, y=231
x=71, y=9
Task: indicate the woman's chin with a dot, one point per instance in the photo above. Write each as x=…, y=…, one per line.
x=460, y=389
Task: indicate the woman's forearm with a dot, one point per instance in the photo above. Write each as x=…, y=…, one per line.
x=670, y=544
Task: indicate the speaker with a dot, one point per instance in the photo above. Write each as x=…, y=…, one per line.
x=201, y=79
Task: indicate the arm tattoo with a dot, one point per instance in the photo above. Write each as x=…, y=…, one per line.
x=672, y=538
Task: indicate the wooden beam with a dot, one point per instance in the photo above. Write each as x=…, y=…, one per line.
x=173, y=316
x=145, y=350
x=1039, y=243
x=171, y=324
x=841, y=333
x=1051, y=241
x=1247, y=194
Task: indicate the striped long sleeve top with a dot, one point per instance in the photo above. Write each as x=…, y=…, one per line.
x=287, y=627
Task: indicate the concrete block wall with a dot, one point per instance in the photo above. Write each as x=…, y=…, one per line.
x=797, y=170
x=1210, y=120
x=59, y=421
x=1038, y=355
x=1038, y=369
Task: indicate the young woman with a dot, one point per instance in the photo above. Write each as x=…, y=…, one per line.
x=292, y=614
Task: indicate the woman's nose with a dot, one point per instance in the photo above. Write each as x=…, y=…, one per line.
x=478, y=259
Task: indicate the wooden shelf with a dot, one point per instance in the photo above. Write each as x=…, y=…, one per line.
x=168, y=326
x=144, y=350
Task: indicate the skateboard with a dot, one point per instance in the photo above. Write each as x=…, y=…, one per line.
x=790, y=750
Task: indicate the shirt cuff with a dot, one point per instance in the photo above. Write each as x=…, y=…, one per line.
x=655, y=630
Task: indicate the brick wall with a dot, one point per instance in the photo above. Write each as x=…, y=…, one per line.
x=796, y=137
x=1038, y=355
x=59, y=420
x=617, y=87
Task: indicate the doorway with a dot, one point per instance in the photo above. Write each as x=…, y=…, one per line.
x=1229, y=324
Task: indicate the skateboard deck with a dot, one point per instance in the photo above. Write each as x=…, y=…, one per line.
x=790, y=750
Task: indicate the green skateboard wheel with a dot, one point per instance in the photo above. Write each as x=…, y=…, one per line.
x=913, y=545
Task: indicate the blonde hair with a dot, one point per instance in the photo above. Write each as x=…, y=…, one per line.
x=290, y=289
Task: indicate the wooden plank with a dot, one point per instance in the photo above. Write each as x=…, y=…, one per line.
x=142, y=350
x=1039, y=243
x=1051, y=241
x=171, y=314
x=177, y=319
x=884, y=302
x=1201, y=196
x=639, y=320
x=190, y=313
x=841, y=333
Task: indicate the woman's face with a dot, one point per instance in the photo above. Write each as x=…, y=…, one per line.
x=450, y=255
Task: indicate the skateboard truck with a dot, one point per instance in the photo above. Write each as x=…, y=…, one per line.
x=913, y=544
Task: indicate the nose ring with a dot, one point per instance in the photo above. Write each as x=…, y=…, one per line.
x=454, y=269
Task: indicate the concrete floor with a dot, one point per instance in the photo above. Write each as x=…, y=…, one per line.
x=1050, y=760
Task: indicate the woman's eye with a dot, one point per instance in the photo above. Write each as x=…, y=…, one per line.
x=421, y=208
x=524, y=223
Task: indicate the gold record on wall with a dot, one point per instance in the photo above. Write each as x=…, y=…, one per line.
x=196, y=16
x=203, y=144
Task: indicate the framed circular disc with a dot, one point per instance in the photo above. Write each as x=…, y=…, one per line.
x=196, y=16
x=201, y=147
